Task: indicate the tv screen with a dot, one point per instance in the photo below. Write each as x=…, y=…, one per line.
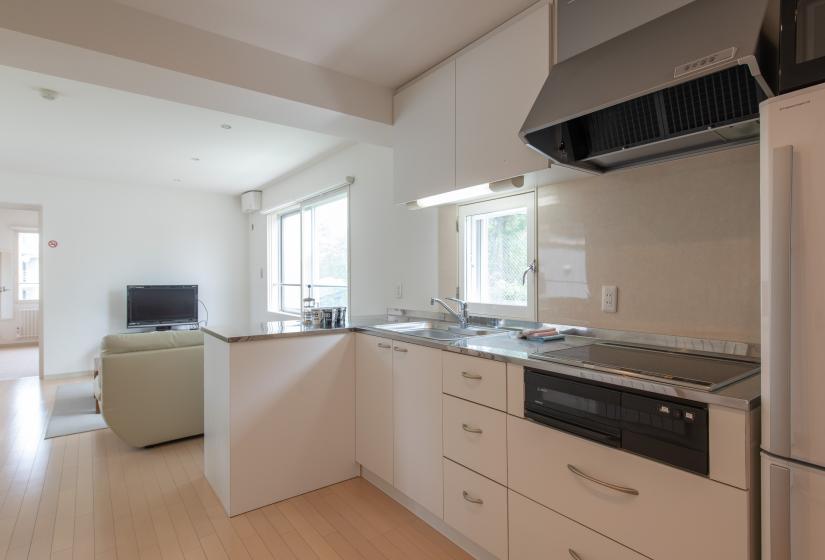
x=152, y=306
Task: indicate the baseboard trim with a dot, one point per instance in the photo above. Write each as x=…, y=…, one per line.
x=425, y=515
x=22, y=342
x=67, y=375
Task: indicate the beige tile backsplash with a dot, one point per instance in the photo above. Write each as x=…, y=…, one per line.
x=679, y=239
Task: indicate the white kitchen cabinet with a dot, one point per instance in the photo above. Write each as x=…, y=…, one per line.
x=418, y=425
x=538, y=532
x=658, y=510
x=424, y=136
x=496, y=83
x=476, y=436
x=476, y=379
x=476, y=507
x=374, y=405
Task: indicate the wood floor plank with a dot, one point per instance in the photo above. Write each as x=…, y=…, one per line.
x=90, y=496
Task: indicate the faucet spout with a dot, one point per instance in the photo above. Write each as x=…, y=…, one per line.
x=462, y=315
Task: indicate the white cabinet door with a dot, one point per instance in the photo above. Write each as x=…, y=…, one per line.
x=496, y=84
x=417, y=404
x=793, y=510
x=373, y=405
x=424, y=136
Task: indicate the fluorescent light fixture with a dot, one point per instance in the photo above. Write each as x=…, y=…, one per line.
x=468, y=193
x=452, y=196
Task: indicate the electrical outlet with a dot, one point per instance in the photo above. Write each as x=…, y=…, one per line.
x=399, y=291
x=610, y=296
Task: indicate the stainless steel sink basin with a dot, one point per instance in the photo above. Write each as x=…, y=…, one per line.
x=436, y=330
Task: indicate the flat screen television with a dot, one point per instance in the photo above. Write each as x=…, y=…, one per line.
x=161, y=306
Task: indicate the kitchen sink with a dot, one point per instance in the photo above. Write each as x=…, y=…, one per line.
x=436, y=330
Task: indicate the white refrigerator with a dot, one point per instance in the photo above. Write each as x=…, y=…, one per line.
x=793, y=325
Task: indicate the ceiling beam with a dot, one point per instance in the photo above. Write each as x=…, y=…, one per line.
x=112, y=45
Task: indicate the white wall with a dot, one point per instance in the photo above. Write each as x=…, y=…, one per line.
x=9, y=219
x=110, y=236
x=389, y=244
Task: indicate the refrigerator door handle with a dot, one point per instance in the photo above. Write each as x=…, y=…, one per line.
x=777, y=529
x=776, y=304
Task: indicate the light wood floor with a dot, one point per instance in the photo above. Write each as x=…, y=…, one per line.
x=89, y=496
x=19, y=360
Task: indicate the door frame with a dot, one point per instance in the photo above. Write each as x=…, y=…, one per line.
x=41, y=339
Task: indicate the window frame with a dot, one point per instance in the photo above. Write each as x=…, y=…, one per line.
x=275, y=252
x=520, y=200
x=17, y=283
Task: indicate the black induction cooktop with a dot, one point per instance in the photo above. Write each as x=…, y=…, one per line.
x=708, y=373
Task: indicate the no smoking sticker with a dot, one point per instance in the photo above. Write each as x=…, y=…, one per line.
x=52, y=243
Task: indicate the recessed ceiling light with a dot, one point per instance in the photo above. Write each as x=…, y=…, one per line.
x=226, y=126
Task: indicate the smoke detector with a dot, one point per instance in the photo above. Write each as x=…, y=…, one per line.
x=48, y=94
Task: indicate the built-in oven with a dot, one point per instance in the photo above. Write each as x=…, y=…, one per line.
x=801, y=44
x=672, y=432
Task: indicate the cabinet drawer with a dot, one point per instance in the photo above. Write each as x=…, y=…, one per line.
x=537, y=532
x=476, y=437
x=476, y=507
x=476, y=379
x=674, y=515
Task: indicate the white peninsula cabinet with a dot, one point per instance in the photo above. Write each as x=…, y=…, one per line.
x=407, y=398
x=457, y=125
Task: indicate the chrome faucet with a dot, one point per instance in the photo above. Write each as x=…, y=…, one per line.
x=462, y=316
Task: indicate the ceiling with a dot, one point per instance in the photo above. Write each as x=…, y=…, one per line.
x=96, y=133
x=386, y=42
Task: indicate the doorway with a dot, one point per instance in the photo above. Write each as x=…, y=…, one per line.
x=21, y=306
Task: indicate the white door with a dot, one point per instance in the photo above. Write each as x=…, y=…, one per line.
x=793, y=273
x=373, y=405
x=497, y=256
x=793, y=510
x=6, y=286
x=417, y=408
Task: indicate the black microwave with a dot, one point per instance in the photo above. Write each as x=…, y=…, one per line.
x=801, y=44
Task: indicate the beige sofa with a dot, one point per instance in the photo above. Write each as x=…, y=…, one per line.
x=150, y=385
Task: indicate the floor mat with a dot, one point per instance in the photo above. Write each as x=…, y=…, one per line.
x=74, y=411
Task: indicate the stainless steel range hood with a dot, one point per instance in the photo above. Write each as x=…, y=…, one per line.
x=688, y=82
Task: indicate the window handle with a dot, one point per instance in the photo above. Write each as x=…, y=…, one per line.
x=532, y=268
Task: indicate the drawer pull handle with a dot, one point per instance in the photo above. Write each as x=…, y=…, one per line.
x=399, y=349
x=472, y=429
x=573, y=554
x=384, y=345
x=471, y=499
x=473, y=376
x=616, y=487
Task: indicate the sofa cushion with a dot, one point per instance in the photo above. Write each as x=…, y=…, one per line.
x=157, y=340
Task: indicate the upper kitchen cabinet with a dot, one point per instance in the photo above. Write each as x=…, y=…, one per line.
x=497, y=82
x=579, y=29
x=424, y=136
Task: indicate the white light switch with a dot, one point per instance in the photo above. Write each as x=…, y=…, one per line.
x=610, y=295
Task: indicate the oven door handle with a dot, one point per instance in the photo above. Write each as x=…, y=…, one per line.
x=616, y=487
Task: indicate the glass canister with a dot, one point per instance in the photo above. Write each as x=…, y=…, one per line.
x=308, y=306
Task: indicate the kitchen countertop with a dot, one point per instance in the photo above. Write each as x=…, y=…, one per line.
x=507, y=347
